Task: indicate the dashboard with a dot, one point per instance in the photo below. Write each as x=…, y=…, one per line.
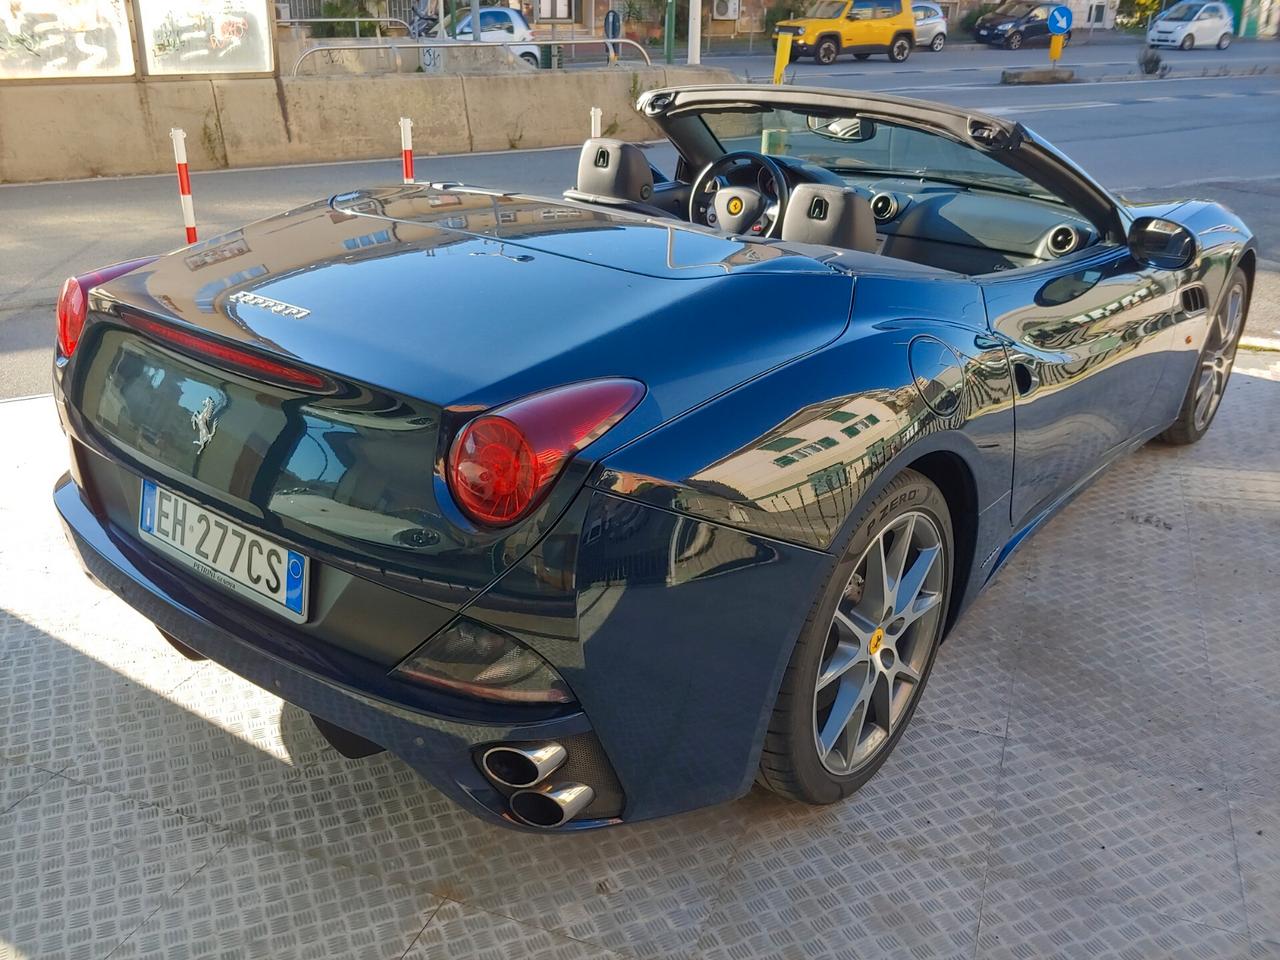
x=964, y=229
x=970, y=230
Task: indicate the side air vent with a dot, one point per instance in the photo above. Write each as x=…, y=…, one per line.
x=884, y=207
x=1195, y=300
x=1062, y=240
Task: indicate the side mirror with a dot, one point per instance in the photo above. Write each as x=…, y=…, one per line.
x=1162, y=243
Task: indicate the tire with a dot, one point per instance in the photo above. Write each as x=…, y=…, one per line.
x=861, y=56
x=899, y=49
x=1224, y=41
x=1188, y=42
x=531, y=59
x=1014, y=41
x=938, y=42
x=792, y=764
x=1213, y=369
x=826, y=52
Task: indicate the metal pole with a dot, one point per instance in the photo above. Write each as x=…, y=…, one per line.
x=475, y=19
x=695, y=32
x=669, y=32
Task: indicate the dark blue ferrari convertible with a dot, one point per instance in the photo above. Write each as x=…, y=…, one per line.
x=604, y=507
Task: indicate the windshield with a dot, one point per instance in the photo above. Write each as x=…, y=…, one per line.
x=880, y=150
x=1015, y=9
x=1182, y=12
x=825, y=9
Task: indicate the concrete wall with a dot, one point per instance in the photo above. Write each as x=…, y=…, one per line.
x=63, y=131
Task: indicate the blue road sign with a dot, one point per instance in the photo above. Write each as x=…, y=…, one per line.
x=1060, y=19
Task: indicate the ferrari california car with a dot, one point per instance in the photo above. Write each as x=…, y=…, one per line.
x=603, y=507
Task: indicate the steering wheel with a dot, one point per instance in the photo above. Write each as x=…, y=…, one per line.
x=746, y=211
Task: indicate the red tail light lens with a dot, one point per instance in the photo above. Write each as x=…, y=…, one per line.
x=503, y=463
x=72, y=307
x=73, y=301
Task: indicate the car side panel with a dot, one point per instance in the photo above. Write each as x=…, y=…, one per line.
x=797, y=454
x=1223, y=240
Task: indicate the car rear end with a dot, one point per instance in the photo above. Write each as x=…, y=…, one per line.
x=374, y=517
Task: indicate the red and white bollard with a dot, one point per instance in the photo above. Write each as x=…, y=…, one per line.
x=406, y=148
x=179, y=138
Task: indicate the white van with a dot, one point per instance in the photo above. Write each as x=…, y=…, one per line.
x=1192, y=24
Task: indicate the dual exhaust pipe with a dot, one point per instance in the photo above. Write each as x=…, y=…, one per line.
x=535, y=802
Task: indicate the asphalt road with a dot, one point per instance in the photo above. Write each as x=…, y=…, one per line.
x=1215, y=137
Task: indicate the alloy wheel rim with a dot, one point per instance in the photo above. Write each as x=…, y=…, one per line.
x=938, y=42
x=1218, y=359
x=879, y=643
x=900, y=50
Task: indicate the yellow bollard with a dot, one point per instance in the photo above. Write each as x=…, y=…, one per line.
x=1055, y=48
x=782, y=57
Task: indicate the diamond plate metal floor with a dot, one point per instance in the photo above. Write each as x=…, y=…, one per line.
x=1094, y=772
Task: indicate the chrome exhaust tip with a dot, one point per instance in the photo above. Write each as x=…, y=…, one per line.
x=522, y=767
x=551, y=805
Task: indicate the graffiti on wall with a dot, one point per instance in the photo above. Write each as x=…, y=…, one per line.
x=64, y=38
x=206, y=36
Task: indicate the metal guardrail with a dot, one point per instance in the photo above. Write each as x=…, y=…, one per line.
x=289, y=21
x=393, y=44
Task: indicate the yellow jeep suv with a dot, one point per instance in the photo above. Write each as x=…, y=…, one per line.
x=860, y=27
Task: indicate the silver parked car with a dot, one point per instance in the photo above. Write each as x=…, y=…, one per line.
x=931, y=25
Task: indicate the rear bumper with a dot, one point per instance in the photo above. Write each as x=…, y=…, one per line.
x=439, y=749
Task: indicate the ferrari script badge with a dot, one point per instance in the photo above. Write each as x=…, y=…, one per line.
x=266, y=303
x=203, y=423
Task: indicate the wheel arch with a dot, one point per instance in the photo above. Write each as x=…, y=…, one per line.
x=831, y=35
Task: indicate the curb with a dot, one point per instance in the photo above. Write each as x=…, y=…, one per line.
x=1253, y=70
x=1261, y=344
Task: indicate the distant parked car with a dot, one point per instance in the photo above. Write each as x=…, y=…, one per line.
x=1015, y=23
x=860, y=27
x=931, y=26
x=499, y=24
x=1188, y=24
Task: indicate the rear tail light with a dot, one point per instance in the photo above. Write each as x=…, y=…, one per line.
x=476, y=660
x=73, y=301
x=503, y=463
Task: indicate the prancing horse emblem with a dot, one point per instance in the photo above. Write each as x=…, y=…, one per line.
x=203, y=424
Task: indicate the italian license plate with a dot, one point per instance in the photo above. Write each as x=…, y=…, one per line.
x=232, y=556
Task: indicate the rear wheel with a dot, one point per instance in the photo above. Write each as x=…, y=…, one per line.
x=900, y=49
x=1188, y=42
x=1209, y=382
x=866, y=650
x=1224, y=41
x=938, y=42
x=1014, y=41
x=531, y=59
x=826, y=52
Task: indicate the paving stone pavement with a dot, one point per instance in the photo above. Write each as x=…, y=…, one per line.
x=1094, y=772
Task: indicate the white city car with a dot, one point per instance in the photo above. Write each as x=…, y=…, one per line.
x=1190, y=24
x=499, y=24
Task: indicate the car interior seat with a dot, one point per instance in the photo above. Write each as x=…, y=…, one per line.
x=829, y=215
x=617, y=174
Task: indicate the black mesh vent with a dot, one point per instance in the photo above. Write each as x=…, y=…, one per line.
x=1195, y=300
x=586, y=764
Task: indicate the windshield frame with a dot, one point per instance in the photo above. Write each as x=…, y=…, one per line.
x=1194, y=10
